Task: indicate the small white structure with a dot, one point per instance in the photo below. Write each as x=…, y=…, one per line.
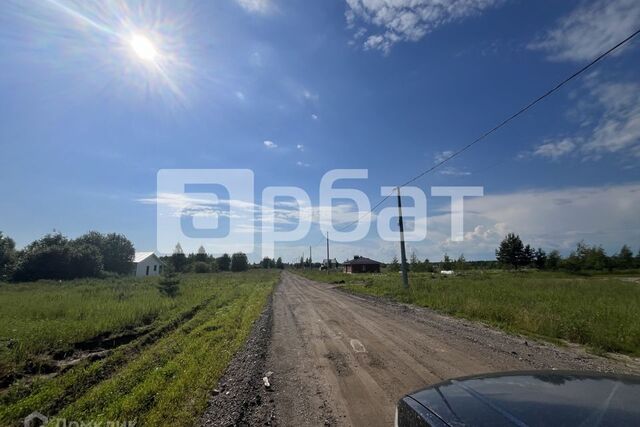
x=147, y=264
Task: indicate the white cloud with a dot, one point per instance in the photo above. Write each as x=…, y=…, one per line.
x=551, y=219
x=314, y=116
x=309, y=96
x=240, y=95
x=270, y=144
x=555, y=150
x=256, y=6
x=612, y=124
x=303, y=164
x=442, y=156
x=451, y=171
x=589, y=30
x=407, y=20
x=618, y=129
x=300, y=147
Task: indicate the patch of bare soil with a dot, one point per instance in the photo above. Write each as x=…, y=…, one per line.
x=241, y=397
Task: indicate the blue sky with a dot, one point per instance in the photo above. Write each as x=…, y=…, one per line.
x=292, y=89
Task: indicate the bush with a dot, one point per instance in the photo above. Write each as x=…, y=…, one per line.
x=201, y=267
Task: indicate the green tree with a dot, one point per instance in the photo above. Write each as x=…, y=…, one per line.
x=624, y=258
x=7, y=257
x=169, y=284
x=461, y=263
x=178, y=259
x=116, y=250
x=446, y=262
x=279, y=263
x=201, y=256
x=540, y=259
x=56, y=257
x=553, y=260
x=266, y=262
x=224, y=262
x=528, y=256
x=586, y=257
x=414, y=263
x=394, y=265
x=511, y=251
x=239, y=262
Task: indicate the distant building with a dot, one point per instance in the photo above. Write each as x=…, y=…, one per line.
x=360, y=264
x=332, y=263
x=147, y=264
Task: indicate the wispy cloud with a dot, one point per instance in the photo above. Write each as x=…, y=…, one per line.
x=383, y=23
x=452, y=171
x=555, y=150
x=256, y=6
x=300, y=147
x=270, y=144
x=303, y=164
x=612, y=124
x=314, y=116
x=589, y=30
x=442, y=156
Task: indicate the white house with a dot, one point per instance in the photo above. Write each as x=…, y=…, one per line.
x=146, y=264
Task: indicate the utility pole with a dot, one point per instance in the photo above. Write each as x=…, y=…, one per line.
x=403, y=253
x=328, y=259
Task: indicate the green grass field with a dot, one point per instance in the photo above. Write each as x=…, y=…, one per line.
x=163, y=356
x=600, y=312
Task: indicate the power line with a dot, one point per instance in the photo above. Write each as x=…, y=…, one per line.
x=521, y=111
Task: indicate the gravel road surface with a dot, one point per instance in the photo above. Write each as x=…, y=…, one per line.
x=341, y=359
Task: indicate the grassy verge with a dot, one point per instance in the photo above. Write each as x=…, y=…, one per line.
x=600, y=312
x=163, y=377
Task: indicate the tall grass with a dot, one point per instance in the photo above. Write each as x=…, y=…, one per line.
x=599, y=312
x=160, y=381
x=47, y=316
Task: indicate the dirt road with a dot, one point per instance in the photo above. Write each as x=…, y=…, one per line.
x=340, y=359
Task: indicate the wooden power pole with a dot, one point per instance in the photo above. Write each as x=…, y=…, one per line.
x=328, y=259
x=403, y=253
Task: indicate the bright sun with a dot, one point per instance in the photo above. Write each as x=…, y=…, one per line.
x=143, y=47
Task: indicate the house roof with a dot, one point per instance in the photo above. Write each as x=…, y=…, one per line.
x=361, y=261
x=141, y=256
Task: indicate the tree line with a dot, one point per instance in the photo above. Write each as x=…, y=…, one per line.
x=57, y=257
x=201, y=262
x=513, y=253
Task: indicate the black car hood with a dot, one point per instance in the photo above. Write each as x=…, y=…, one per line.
x=534, y=399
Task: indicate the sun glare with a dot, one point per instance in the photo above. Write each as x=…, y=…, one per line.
x=143, y=47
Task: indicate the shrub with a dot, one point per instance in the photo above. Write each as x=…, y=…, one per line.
x=169, y=284
x=201, y=267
